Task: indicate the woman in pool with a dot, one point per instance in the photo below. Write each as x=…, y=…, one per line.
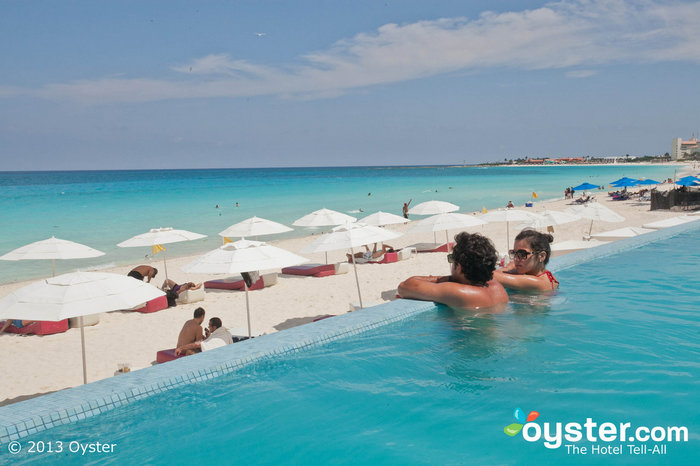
x=528, y=271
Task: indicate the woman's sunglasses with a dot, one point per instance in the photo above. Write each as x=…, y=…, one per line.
x=520, y=254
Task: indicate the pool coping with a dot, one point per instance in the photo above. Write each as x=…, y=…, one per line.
x=29, y=417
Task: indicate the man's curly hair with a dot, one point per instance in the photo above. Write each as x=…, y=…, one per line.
x=477, y=256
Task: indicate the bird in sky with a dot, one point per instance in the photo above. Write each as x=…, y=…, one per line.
x=260, y=34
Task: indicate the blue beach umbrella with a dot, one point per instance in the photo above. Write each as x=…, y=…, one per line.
x=682, y=182
x=689, y=178
x=621, y=180
x=648, y=181
x=625, y=184
x=585, y=186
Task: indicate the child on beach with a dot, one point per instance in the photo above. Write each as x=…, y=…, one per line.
x=528, y=271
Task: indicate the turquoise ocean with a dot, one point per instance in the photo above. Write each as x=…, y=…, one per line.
x=103, y=208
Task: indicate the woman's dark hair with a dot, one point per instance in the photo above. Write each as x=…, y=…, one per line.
x=477, y=257
x=537, y=241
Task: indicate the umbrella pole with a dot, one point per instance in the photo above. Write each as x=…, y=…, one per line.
x=165, y=266
x=326, y=257
x=357, y=280
x=247, y=308
x=507, y=236
x=447, y=240
x=53, y=267
x=82, y=343
x=590, y=229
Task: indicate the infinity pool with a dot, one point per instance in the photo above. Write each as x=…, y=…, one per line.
x=620, y=343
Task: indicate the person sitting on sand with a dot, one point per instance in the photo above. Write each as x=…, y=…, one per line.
x=17, y=324
x=216, y=336
x=510, y=205
x=528, y=271
x=470, y=285
x=372, y=255
x=143, y=271
x=192, y=331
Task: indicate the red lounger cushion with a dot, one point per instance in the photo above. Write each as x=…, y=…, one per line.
x=441, y=248
x=167, y=355
x=42, y=327
x=229, y=284
x=388, y=258
x=156, y=304
x=315, y=270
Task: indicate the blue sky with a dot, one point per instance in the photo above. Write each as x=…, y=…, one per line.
x=184, y=84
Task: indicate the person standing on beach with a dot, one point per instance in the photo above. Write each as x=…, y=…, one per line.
x=470, y=284
x=528, y=271
x=191, y=332
x=405, y=208
x=143, y=271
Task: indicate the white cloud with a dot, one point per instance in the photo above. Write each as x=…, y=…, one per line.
x=581, y=73
x=582, y=33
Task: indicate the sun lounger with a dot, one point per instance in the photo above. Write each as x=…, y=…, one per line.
x=40, y=327
x=191, y=296
x=317, y=270
x=236, y=283
x=432, y=247
x=156, y=304
x=167, y=355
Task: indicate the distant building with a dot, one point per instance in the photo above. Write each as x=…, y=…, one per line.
x=681, y=148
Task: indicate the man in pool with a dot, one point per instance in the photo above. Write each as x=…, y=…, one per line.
x=216, y=336
x=192, y=332
x=470, y=285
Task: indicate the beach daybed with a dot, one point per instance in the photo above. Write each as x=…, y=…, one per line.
x=236, y=283
x=41, y=327
x=317, y=270
x=432, y=247
x=156, y=304
x=191, y=296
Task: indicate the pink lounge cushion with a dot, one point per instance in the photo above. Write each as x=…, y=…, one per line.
x=316, y=270
x=156, y=304
x=230, y=284
x=388, y=258
x=441, y=248
x=167, y=355
x=42, y=327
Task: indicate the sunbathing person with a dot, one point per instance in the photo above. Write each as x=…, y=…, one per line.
x=143, y=271
x=173, y=290
x=192, y=332
x=470, y=285
x=216, y=336
x=17, y=323
x=372, y=255
x=528, y=271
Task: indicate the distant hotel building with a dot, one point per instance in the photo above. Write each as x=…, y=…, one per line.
x=681, y=148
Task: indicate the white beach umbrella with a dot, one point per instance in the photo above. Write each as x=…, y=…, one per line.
x=324, y=218
x=75, y=295
x=595, y=211
x=669, y=222
x=350, y=236
x=549, y=218
x=52, y=248
x=244, y=256
x=572, y=245
x=156, y=237
x=626, y=232
x=432, y=208
x=254, y=226
x=382, y=218
x=508, y=215
x=447, y=221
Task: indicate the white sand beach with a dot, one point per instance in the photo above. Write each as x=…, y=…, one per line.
x=39, y=364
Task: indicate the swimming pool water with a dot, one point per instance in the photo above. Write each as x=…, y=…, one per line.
x=619, y=342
